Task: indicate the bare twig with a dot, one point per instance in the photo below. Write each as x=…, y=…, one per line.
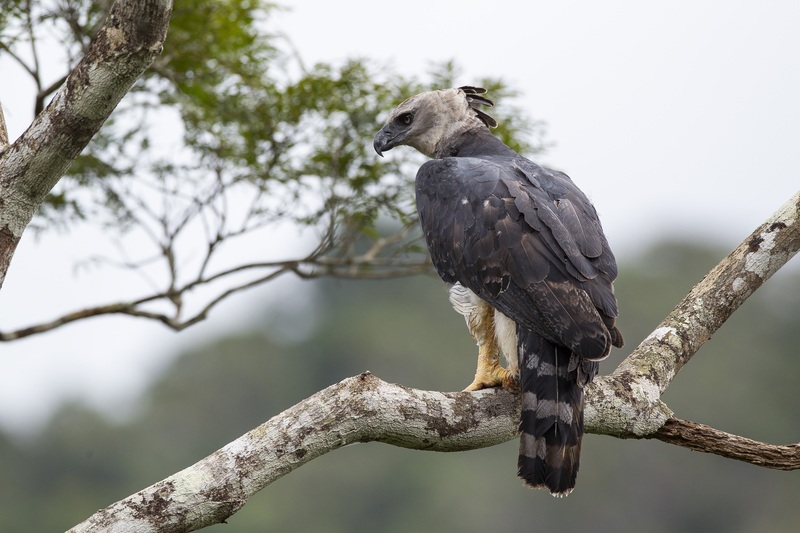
x=35, y=71
x=307, y=268
x=19, y=60
x=121, y=308
x=43, y=93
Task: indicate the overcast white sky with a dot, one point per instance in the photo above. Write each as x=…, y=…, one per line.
x=678, y=116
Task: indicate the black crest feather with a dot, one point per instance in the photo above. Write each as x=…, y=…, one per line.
x=476, y=100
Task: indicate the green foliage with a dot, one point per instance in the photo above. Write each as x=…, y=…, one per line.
x=227, y=112
x=10, y=10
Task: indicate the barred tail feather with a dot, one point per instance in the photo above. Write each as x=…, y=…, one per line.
x=551, y=384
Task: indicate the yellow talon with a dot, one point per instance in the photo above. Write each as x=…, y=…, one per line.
x=496, y=376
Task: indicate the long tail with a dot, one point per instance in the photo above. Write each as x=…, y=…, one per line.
x=551, y=383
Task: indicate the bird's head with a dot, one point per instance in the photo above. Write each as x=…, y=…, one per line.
x=426, y=120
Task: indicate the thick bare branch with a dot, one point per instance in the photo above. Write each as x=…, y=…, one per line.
x=358, y=409
x=362, y=409
x=632, y=393
x=712, y=301
x=625, y=404
x=128, y=41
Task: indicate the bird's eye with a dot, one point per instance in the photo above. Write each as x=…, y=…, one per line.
x=405, y=119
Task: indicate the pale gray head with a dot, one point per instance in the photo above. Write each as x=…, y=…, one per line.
x=429, y=120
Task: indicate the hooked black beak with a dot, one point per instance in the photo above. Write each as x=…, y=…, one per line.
x=386, y=139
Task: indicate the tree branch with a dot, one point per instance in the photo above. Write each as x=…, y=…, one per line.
x=309, y=267
x=702, y=438
x=19, y=61
x=636, y=386
x=712, y=301
x=358, y=409
x=129, y=40
x=45, y=92
x=625, y=404
x=3, y=131
x=363, y=409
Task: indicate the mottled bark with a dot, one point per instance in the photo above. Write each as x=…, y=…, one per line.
x=712, y=301
x=3, y=131
x=363, y=409
x=625, y=404
x=702, y=438
x=359, y=409
x=129, y=40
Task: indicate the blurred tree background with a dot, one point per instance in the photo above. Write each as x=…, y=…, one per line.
x=247, y=113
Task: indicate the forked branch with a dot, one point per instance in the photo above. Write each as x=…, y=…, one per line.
x=363, y=408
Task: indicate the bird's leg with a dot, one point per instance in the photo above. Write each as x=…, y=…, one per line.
x=479, y=316
x=489, y=372
x=505, y=336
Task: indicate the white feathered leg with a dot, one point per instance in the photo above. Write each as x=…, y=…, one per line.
x=493, y=332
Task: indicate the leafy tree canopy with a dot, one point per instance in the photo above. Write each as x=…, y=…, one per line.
x=230, y=135
x=229, y=110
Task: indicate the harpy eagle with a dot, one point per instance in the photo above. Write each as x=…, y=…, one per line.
x=529, y=265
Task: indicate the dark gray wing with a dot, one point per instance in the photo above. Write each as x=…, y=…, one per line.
x=526, y=240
